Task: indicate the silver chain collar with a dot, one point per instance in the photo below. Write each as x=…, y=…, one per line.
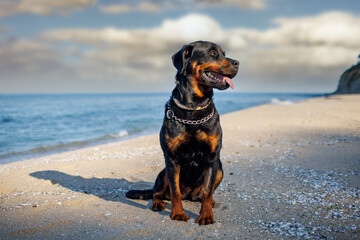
x=171, y=116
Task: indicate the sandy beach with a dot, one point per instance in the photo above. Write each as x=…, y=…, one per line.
x=290, y=170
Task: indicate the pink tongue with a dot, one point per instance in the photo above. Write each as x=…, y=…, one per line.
x=228, y=80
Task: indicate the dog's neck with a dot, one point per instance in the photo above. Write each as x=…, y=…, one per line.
x=186, y=96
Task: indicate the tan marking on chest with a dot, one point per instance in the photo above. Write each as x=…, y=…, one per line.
x=212, y=140
x=174, y=142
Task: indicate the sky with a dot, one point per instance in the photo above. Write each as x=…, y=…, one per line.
x=82, y=46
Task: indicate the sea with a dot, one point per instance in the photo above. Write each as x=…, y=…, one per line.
x=35, y=125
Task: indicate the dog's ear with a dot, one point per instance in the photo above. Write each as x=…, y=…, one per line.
x=181, y=58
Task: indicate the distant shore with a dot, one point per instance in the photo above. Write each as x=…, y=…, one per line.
x=291, y=170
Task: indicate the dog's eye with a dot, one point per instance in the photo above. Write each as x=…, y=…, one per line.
x=213, y=53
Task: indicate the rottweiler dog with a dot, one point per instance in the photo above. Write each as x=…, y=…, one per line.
x=191, y=135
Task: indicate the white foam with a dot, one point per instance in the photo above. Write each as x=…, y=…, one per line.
x=122, y=133
x=277, y=101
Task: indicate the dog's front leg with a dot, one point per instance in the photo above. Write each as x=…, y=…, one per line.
x=206, y=212
x=173, y=173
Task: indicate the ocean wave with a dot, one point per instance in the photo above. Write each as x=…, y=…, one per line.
x=63, y=147
x=68, y=122
x=277, y=101
x=122, y=133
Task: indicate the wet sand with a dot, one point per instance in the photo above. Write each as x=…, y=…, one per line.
x=290, y=171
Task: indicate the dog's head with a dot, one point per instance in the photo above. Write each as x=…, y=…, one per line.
x=204, y=64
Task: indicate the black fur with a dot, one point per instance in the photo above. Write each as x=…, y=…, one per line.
x=140, y=194
x=192, y=152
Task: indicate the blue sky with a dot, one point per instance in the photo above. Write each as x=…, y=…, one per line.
x=126, y=46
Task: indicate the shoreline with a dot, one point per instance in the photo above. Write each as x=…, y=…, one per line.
x=67, y=147
x=290, y=171
x=126, y=134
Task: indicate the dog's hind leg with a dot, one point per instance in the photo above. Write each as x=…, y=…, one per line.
x=219, y=177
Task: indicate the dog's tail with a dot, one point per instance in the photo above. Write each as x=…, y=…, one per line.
x=140, y=194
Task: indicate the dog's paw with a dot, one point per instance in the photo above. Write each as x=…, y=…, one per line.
x=205, y=219
x=158, y=205
x=180, y=217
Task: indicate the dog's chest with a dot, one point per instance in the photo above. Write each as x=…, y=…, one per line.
x=193, y=144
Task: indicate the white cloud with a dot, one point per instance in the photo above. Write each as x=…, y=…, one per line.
x=118, y=8
x=45, y=7
x=187, y=29
x=27, y=56
x=42, y=7
x=331, y=28
x=123, y=8
x=299, y=53
x=245, y=4
x=143, y=54
x=162, y=5
x=29, y=66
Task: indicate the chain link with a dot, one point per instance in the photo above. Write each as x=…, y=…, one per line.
x=170, y=115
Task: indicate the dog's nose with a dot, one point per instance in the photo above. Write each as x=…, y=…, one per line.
x=235, y=63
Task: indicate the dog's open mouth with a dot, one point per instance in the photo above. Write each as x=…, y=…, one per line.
x=217, y=78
